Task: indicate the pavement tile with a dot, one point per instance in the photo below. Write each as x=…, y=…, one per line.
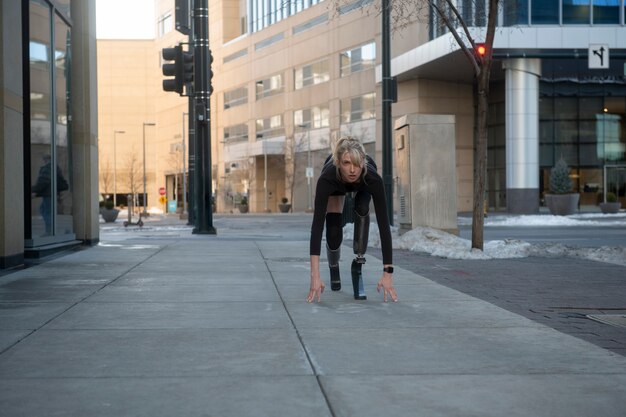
x=168, y=315
x=427, y=395
x=155, y=353
x=224, y=396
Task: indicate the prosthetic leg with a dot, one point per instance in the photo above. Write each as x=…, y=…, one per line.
x=361, y=234
x=333, y=263
x=334, y=237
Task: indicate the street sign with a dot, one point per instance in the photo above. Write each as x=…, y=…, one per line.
x=162, y=191
x=598, y=55
x=162, y=199
x=309, y=172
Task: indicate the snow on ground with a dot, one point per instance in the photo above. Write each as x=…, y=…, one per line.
x=447, y=245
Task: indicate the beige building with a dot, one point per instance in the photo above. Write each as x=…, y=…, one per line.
x=281, y=96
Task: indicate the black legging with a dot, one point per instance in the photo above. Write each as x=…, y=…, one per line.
x=334, y=227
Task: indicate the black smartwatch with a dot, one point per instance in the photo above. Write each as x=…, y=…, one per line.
x=388, y=269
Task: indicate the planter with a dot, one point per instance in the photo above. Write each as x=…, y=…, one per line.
x=109, y=215
x=610, y=207
x=284, y=208
x=562, y=204
x=243, y=208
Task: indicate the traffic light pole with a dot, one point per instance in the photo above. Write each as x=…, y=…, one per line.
x=192, y=209
x=202, y=68
x=387, y=133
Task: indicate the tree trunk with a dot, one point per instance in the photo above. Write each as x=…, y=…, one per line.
x=480, y=169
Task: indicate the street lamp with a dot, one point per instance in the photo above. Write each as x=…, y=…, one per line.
x=115, y=132
x=309, y=169
x=145, y=213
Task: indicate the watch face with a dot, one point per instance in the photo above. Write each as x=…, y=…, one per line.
x=388, y=269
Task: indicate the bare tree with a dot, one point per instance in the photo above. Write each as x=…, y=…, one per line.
x=134, y=176
x=106, y=176
x=447, y=16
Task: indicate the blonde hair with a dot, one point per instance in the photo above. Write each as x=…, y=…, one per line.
x=355, y=149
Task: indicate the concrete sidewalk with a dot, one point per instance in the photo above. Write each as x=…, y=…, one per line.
x=160, y=322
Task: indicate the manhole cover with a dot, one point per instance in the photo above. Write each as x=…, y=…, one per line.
x=617, y=320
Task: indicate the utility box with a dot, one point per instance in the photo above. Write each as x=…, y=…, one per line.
x=426, y=172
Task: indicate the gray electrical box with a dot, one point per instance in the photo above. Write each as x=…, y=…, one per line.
x=425, y=150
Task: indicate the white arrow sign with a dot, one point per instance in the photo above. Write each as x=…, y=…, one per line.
x=598, y=55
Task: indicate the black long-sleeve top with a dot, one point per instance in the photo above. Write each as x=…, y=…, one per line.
x=328, y=184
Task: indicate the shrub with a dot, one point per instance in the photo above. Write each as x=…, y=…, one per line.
x=244, y=201
x=611, y=198
x=560, y=182
x=284, y=200
x=108, y=204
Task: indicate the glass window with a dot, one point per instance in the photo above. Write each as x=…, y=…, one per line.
x=235, y=97
x=606, y=12
x=358, y=108
x=515, y=12
x=165, y=24
x=50, y=152
x=270, y=127
x=269, y=86
x=358, y=59
x=63, y=154
x=41, y=120
x=576, y=12
x=315, y=117
x=236, y=133
x=545, y=12
x=566, y=108
x=312, y=74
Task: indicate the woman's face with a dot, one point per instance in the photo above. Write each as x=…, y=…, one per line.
x=349, y=171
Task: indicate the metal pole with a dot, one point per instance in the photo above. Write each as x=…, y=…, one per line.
x=145, y=213
x=309, y=179
x=265, y=180
x=202, y=66
x=115, y=132
x=184, y=213
x=386, y=110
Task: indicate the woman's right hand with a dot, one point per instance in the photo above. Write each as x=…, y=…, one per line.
x=317, y=288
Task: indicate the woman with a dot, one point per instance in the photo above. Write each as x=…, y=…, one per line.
x=349, y=169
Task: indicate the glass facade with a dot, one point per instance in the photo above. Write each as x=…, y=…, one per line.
x=582, y=118
x=534, y=12
x=264, y=13
x=566, y=12
x=48, y=77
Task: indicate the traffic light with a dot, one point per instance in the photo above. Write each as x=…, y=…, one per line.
x=181, y=68
x=210, y=73
x=481, y=49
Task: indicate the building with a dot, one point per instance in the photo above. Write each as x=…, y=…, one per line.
x=291, y=77
x=49, y=119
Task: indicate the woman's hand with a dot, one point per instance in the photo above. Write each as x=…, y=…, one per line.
x=386, y=283
x=316, y=290
x=317, y=286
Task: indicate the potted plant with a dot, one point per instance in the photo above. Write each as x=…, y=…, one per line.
x=243, y=205
x=109, y=212
x=284, y=207
x=561, y=200
x=612, y=205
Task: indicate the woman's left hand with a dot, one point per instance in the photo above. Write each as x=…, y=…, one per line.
x=386, y=283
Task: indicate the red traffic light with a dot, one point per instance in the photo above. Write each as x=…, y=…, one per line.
x=481, y=49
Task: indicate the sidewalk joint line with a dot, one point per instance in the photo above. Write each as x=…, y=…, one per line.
x=304, y=348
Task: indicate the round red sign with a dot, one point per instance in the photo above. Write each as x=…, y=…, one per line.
x=162, y=191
